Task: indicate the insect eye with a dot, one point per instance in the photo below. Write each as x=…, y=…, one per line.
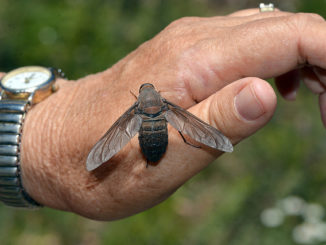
x=145, y=85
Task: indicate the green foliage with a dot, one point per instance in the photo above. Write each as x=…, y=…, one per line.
x=81, y=36
x=222, y=204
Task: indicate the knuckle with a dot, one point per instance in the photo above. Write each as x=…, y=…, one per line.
x=180, y=34
x=299, y=23
x=314, y=16
x=183, y=21
x=305, y=18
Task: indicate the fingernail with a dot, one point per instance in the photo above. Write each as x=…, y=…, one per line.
x=247, y=104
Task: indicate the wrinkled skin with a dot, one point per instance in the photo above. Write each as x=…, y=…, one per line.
x=212, y=66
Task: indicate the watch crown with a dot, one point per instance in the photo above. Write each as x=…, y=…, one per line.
x=55, y=88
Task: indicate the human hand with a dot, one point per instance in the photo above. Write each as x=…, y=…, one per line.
x=195, y=63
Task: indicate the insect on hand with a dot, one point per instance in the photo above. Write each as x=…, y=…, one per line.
x=149, y=117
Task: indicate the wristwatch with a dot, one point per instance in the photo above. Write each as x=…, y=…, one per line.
x=20, y=90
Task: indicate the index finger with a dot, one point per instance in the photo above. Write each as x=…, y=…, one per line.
x=264, y=48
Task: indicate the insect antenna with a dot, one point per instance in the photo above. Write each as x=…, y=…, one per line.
x=196, y=146
x=133, y=94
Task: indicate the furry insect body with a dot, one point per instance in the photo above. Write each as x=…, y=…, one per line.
x=153, y=133
x=153, y=138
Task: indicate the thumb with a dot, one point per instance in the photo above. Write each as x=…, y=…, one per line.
x=239, y=109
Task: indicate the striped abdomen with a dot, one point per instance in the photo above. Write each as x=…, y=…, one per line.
x=153, y=138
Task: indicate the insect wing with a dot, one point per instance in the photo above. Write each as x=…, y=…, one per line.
x=114, y=139
x=200, y=131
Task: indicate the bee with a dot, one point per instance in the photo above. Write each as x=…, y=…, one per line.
x=149, y=116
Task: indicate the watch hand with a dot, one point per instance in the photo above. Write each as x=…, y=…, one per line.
x=27, y=79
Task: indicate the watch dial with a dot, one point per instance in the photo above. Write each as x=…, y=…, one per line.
x=25, y=78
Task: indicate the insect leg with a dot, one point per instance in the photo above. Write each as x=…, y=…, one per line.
x=196, y=146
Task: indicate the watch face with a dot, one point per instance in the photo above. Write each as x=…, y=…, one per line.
x=26, y=78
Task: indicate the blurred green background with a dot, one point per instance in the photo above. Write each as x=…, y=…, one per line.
x=222, y=204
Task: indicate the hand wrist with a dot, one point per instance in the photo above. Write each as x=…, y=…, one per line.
x=56, y=138
x=40, y=142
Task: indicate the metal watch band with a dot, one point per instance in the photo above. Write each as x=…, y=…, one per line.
x=12, y=193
